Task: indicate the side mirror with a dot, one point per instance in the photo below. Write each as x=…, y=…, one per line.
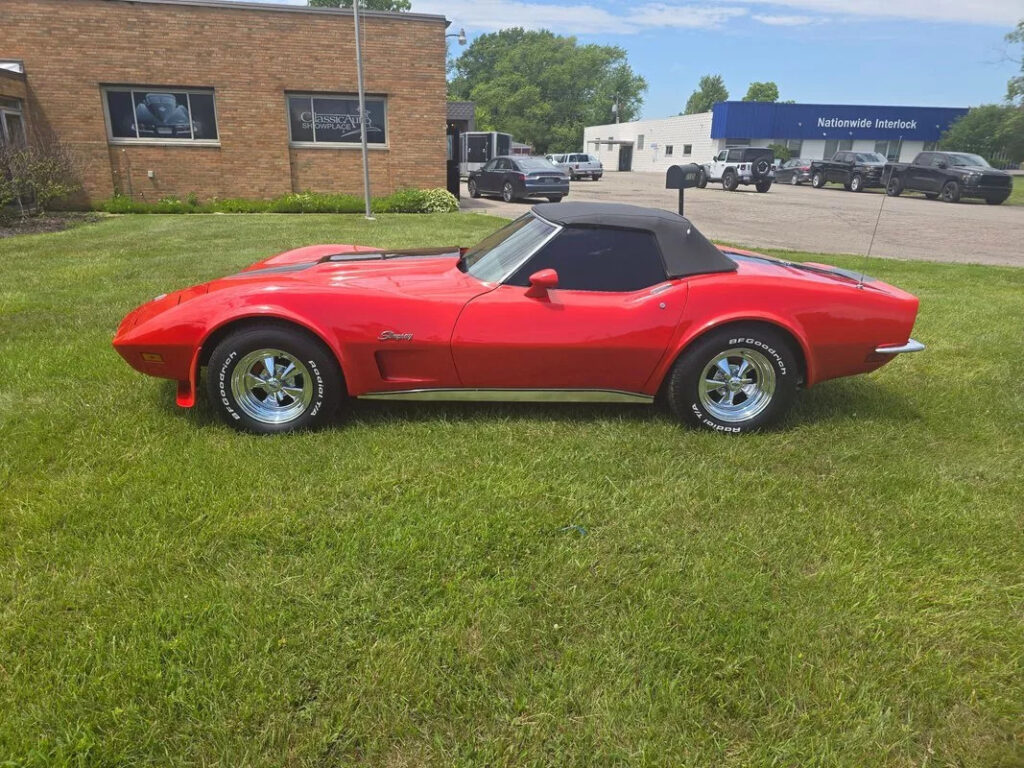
x=541, y=282
x=943, y=165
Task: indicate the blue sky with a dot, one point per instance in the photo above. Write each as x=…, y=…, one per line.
x=913, y=52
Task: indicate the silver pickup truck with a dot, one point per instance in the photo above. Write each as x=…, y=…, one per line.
x=578, y=165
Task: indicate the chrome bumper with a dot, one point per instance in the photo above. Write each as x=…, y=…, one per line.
x=910, y=346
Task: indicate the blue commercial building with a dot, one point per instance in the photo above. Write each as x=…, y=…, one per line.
x=813, y=131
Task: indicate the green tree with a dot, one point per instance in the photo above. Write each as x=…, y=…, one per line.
x=710, y=89
x=1015, y=86
x=544, y=88
x=991, y=130
x=372, y=5
x=767, y=91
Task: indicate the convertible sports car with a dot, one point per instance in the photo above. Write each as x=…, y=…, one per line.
x=577, y=302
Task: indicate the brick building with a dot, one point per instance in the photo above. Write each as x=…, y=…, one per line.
x=226, y=99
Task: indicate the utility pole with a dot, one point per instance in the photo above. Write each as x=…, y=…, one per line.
x=362, y=112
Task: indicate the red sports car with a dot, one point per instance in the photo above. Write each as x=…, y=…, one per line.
x=572, y=302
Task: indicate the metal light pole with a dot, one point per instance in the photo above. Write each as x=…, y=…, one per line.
x=362, y=112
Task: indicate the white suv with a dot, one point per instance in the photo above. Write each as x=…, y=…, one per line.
x=578, y=165
x=740, y=165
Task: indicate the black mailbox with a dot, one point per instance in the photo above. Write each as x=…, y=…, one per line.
x=682, y=177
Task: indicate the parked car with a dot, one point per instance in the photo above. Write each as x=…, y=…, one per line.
x=515, y=178
x=856, y=171
x=579, y=165
x=740, y=165
x=574, y=302
x=794, y=171
x=951, y=176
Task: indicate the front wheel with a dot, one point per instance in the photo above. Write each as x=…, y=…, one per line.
x=793, y=180
x=702, y=179
x=508, y=194
x=269, y=379
x=951, y=192
x=736, y=379
x=473, y=191
x=763, y=186
x=730, y=181
x=817, y=180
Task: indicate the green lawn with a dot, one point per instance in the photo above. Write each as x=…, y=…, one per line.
x=1017, y=196
x=498, y=585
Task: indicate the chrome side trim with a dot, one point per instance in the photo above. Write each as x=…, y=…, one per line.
x=911, y=346
x=514, y=395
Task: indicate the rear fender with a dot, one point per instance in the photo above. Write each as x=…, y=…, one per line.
x=687, y=335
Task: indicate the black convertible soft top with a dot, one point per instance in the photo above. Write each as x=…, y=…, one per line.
x=685, y=250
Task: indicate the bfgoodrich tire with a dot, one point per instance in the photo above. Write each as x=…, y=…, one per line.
x=269, y=379
x=736, y=379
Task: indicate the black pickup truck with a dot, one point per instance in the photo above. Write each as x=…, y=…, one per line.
x=854, y=170
x=949, y=175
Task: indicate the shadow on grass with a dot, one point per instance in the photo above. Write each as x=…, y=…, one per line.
x=837, y=402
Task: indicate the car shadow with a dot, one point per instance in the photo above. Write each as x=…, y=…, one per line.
x=856, y=399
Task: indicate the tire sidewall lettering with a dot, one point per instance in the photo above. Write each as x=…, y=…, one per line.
x=765, y=348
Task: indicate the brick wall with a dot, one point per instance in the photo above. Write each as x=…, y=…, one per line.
x=250, y=57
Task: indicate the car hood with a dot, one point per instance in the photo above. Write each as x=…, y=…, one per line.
x=979, y=169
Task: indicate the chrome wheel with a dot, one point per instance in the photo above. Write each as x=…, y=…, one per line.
x=506, y=193
x=737, y=385
x=271, y=386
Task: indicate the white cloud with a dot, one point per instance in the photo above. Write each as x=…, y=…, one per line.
x=489, y=15
x=623, y=17
x=786, y=21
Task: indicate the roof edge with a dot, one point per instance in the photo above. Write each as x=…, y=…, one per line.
x=233, y=5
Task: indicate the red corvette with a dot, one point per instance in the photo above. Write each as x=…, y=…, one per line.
x=576, y=302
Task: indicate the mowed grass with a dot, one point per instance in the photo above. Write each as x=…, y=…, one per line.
x=1017, y=195
x=499, y=585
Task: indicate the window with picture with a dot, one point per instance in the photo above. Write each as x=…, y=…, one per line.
x=315, y=119
x=160, y=114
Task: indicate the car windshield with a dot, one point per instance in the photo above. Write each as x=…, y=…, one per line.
x=496, y=257
x=964, y=158
x=533, y=164
x=870, y=157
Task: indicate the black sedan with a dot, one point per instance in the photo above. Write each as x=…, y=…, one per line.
x=516, y=178
x=795, y=171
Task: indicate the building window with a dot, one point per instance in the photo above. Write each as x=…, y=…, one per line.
x=837, y=145
x=737, y=142
x=930, y=146
x=334, y=119
x=668, y=150
x=160, y=114
x=12, y=122
x=795, y=146
x=891, y=149
x=640, y=141
x=687, y=149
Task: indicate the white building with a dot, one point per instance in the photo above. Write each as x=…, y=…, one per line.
x=814, y=131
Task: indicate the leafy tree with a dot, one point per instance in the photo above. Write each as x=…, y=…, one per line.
x=991, y=130
x=544, y=88
x=710, y=90
x=373, y=5
x=781, y=151
x=767, y=91
x=1015, y=86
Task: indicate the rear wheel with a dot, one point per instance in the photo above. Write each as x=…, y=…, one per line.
x=596, y=177
x=269, y=379
x=554, y=198
x=763, y=186
x=473, y=191
x=702, y=179
x=793, y=180
x=818, y=180
x=734, y=380
x=508, y=194
x=951, y=192
x=730, y=180
x=894, y=187
x=995, y=200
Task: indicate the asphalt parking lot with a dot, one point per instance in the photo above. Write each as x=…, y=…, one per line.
x=829, y=220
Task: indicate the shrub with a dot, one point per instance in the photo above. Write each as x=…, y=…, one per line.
x=41, y=171
x=403, y=201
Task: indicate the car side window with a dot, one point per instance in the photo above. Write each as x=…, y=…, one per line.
x=925, y=158
x=502, y=165
x=598, y=259
x=489, y=165
x=937, y=160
